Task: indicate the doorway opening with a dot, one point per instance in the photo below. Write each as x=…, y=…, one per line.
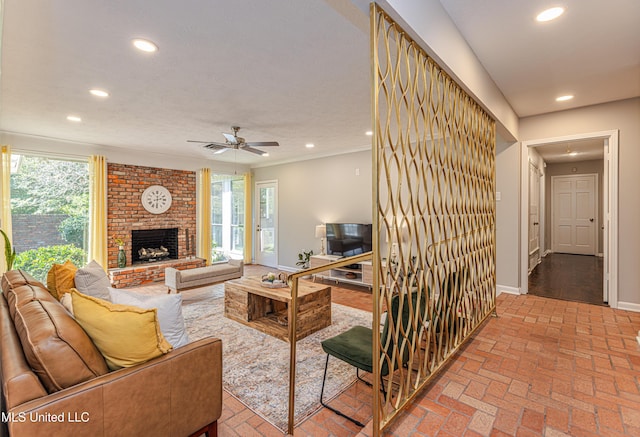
x=576, y=217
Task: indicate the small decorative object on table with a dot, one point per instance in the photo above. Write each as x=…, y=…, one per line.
x=271, y=280
x=122, y=257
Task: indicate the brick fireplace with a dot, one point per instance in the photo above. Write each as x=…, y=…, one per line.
x=125, y=212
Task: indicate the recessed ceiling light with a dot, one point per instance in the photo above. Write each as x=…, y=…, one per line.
x=564, y=98
x=309, y=145
x=99, y=93
x=550, y=14
x=74, y=118
x=265, y=153
x=145, y=45
x=369, y=133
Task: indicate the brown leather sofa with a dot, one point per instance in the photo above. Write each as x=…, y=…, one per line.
x=55, y=382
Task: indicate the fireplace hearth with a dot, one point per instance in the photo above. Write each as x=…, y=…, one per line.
x=151, y=245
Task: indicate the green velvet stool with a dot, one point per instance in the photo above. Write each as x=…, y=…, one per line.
x=355, y=346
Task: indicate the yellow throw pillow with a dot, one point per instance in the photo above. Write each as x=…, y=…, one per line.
x=60, y=279
x=125, y=335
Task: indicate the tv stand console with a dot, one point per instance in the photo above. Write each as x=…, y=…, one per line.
x=359, y=273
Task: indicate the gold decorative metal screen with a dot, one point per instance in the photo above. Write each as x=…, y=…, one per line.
x=434, y=209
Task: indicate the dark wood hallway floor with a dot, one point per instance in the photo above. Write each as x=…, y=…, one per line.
x=563, y=276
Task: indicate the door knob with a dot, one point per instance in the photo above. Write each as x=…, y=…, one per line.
x=591, y=220
x=535, y=223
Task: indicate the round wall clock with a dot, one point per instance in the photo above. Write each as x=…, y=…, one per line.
x=156, y=199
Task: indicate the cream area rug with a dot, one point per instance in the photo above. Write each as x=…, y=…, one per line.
x=256, y=365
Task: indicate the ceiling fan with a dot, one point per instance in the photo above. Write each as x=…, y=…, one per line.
x=237, y=143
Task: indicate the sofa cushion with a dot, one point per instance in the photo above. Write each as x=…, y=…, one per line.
x=60, y=279
x=92, y=280
x=125, y=335
x=169, y=308
x=56, y=347
x=19, y=288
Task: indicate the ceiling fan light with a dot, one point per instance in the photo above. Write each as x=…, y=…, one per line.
x=369, y=133
x=309, y=145
x=74, y=118
x=550, y=14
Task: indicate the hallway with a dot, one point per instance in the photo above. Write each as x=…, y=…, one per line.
x=576, y=278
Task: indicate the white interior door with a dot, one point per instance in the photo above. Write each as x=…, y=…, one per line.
x=574, y=214
x=267, y=223
x=534, y=216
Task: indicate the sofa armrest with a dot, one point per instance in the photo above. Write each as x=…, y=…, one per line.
x=176, y=394
x=172, y=277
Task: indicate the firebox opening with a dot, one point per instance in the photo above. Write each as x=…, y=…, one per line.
x=150, y=245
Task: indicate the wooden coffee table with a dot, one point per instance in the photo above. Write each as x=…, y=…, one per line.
x=247, y=301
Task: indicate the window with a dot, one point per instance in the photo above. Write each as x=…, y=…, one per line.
x=49, y=212
x=227, y=217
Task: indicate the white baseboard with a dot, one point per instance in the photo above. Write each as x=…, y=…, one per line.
x=600, y=255
x=547, y=252
x=629, y=306
x=287, y=269
x=506, y=289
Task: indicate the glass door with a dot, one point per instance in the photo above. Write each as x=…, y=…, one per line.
x=267, y=223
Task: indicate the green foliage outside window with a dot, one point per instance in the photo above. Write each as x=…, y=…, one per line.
x=50, y=186
x=73, y=229
x=37, y=262
x=45, y=186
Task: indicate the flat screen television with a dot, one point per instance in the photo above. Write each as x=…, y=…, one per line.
x=348, y=239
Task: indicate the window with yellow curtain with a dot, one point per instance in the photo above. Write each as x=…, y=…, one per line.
x=49, y=212
x=227, y=217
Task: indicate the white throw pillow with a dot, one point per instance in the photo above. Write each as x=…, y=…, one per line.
x=92, y=280
x=169, y=312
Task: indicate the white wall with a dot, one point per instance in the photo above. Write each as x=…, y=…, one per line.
x=623, y=115
x=507, y=217
x=325, y=190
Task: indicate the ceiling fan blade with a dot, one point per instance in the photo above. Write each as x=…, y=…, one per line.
x=230, y=138
x=263, y=144
x=252, y=150
x=216, y=146
x=196, y=141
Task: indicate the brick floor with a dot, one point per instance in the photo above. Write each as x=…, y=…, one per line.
x=543, y=367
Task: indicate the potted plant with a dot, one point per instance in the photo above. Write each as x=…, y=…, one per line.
x=9, y=251
x=303, y=259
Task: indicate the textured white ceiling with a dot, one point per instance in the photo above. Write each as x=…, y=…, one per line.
x=292, y=72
